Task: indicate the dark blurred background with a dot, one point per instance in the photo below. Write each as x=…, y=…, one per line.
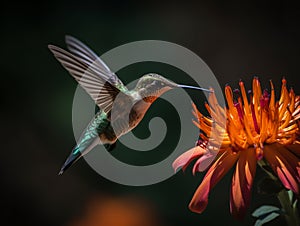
x=236, y=39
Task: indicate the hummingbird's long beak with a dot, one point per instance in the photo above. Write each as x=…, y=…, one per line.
x=194, y=87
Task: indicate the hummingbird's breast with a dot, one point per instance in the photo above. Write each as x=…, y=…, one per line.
x=126, y=115
x=138, y=112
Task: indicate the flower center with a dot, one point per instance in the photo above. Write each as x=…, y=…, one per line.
x=262, y=121
x=253, y=119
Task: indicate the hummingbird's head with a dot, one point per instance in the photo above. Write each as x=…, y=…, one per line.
x=151, y=86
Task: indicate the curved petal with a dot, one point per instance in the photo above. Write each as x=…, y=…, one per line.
x=203, y=162
x=292, y=160
x=242, y=180
x=289, y=160
x=215, y=173
x=295, y=148
x=186, y=158
x=282, y=168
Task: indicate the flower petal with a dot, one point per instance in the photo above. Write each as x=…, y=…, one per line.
x=292, y=160
x=286, y=173
x=215, y=173
x=203, y=162
x=295, y=148
x=242, y=180
x=187, y=157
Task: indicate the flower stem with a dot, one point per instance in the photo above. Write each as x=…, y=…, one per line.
x=291, y=215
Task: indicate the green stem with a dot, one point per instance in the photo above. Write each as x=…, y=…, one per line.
x=291, y=213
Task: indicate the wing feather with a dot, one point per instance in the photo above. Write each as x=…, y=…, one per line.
x=79, y=49
x=90, y=72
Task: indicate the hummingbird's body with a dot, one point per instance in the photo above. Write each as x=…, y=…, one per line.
x=121, y=109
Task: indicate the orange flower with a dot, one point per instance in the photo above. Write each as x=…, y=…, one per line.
x=242, y=134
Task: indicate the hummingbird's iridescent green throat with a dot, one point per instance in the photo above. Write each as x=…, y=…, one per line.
x=108, y=92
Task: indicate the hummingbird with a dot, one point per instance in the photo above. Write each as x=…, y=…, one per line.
x=120, y=109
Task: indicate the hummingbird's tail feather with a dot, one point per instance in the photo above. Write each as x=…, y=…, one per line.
x=80, y=150
x=73, y=157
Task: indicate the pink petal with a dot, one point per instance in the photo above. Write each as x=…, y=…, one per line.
x=284, y=178
x=203, y=162
x=186, y=158
x=287, y=156
x=283, y=168
x=215, y=173
x=289, y=160
x=242, y=180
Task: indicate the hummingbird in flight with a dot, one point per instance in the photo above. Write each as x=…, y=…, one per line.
x=120, y=109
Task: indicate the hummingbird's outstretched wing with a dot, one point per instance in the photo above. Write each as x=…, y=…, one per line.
x=80, y=50
x=90, y=72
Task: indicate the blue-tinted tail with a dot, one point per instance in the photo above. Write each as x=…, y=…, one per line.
x=73, y=157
